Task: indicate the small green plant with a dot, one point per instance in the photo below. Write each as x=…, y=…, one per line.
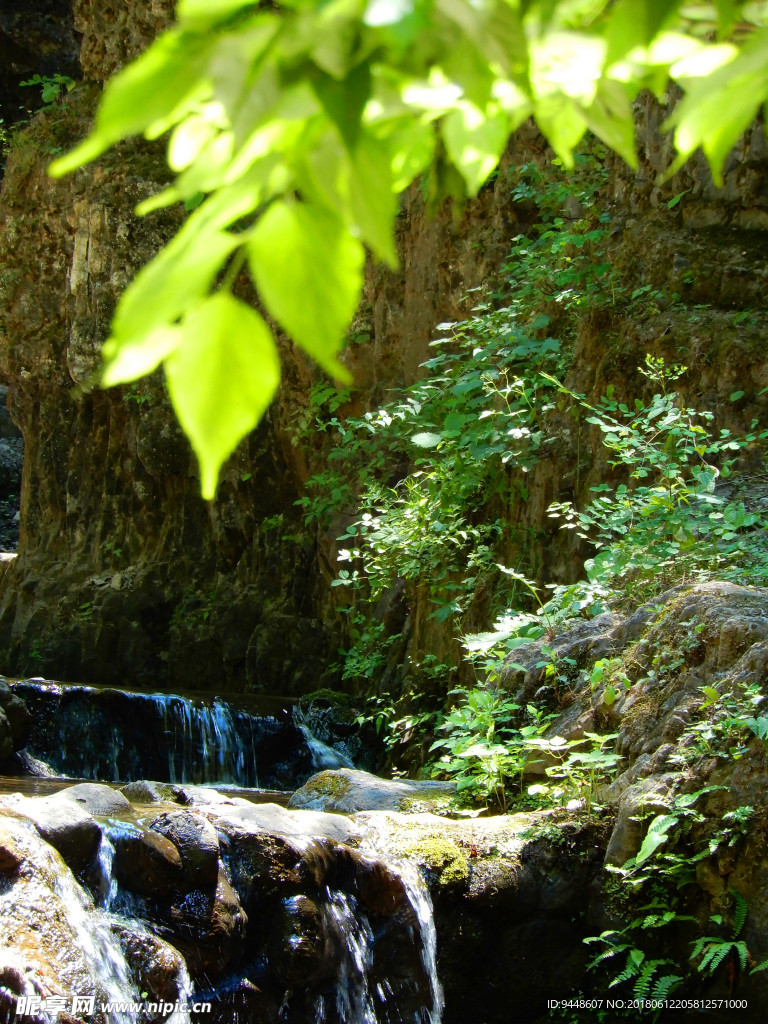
x=134, y=394
x=111, y=548
x=578, y=773
x=489, y=744
x=53, y=86
x=729, y=720
x=665, y=866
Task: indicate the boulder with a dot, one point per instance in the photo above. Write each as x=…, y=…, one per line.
x=209, y=927
x=156, y=967
x=99, y=800
x=348, y=791
x=637, y=806
x=17, y=718
x=66, y=826
x=147, y=863
x=195, y=839
x=281, y=820
x=144, y=792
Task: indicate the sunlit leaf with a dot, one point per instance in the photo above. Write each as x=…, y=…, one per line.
x=475, y=141
x=309, y=272
x=427, y=439
x=166, y=75
x=372, y=197
x=720, y=107
x=127, y=359
x=221, y=379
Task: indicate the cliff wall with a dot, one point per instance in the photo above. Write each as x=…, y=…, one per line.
x=124, y=575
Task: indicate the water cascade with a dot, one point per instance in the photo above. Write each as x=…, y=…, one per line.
x=115, y=735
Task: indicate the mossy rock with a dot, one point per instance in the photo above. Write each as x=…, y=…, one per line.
x=347, y=791
x=439, y=854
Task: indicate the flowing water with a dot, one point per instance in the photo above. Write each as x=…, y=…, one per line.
x=109, y=734
x=89, y=732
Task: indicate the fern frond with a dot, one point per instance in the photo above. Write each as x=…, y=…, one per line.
x=760, y=967
x=607, y=954
x=741, y=949
x=642, y=987
x=665, y=985
x=631, y=968
x=716, y=952
x=740, y=913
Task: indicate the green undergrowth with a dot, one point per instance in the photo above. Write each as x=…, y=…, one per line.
x=432, y=483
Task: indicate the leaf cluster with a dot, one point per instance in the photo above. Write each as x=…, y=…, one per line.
x=291, y=131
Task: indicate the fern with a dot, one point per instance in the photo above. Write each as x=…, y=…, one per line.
x=713, y=952
x=642, y=988
x=739, y=914
x=665, y=985
x=631, y=968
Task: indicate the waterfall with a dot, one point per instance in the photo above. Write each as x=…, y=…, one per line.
x=418, y=896
x=353, y=938
x=101, y=947
x=358, y=999
x=89, y=732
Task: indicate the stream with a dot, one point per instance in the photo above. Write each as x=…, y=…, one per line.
x=198, y=898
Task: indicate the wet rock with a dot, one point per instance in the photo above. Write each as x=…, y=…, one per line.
x=348, y=791
x=300, y=948
x=143, y=792
x=66, y=826
x=156, y=966
x=101, y=801
x=17, y=718
x=10, y=856
x=263, y=866
x=209, y=927
x=147, y=863
x=6, y=737
x=282, y=820
x=195, y=839
x=59, y=954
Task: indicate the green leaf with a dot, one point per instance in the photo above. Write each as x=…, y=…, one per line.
x=134, y=357
x=343, y=100
x=221, y=379
x=309, y=271
x=178, y=278
x=610, y=118
x=373, y=201
x=475, y=141
x=721, y=105
x=427, y=439
x=200, y=13
x=159, y=82
x=656, y=836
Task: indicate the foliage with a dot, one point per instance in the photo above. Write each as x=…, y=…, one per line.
x=487, y=743
x=53, y=86
x=662, y=868
x=293, y=129
x=729, y=721
x=667, y=519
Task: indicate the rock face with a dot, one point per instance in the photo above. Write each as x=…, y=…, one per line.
x=35, y=39
x=690, y=722
x=124, y=575
x=14, y=722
